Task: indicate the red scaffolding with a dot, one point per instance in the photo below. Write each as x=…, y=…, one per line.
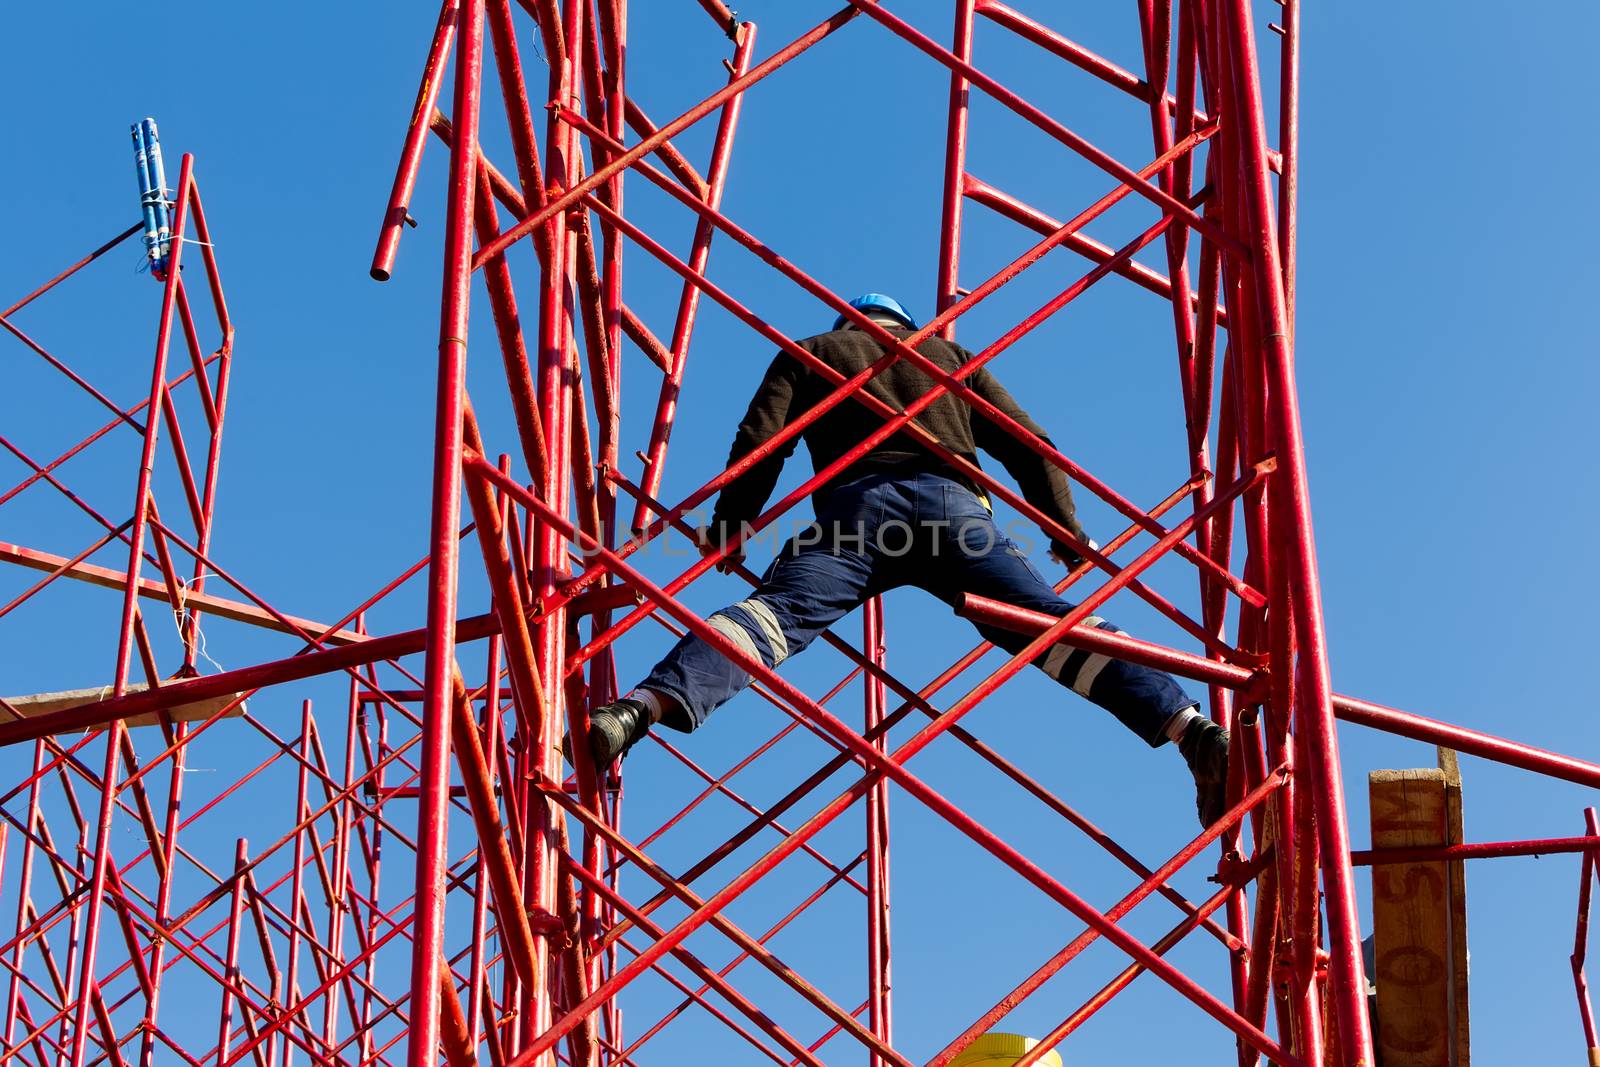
x=520, y=940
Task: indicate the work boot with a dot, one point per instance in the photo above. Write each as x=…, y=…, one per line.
x=1205, y=748
x=614, y=728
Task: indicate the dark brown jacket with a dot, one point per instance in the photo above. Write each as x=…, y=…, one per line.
x=790, y=389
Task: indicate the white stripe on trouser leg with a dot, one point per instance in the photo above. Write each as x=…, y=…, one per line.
x=763, y=614
x=1093, y=665
x=736, y=633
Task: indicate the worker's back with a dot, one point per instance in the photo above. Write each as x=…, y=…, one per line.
x=850, y=351
x=791, y=388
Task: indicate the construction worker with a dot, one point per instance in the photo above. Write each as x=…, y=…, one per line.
x=897, y=516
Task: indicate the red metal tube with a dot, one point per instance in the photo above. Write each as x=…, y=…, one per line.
x=879, y=1002
x=231, y=963
x=296, y=890
x=948, y=283
x=1580, y=947
x=405, y=178
x=478, y=970
x=526, y=683
x=1292, y=508
x=519, y=113
x=163, y=900
x=515, y=933
x=513, y=350
x=1072, y=52
x=1472, y=742
x=1022, y=620
x=1289, y=148
x=1475, y=850
x=432, y=809
x=24, y=888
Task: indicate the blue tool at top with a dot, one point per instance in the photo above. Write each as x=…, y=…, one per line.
x=152, y=195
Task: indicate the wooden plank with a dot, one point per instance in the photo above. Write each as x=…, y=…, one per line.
x=44, y=703
x=1456, y=876
x=149, y=588
x=1411, y=921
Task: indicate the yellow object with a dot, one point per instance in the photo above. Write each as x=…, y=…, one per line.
x=1002, y=1050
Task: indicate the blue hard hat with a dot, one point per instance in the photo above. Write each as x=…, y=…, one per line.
x=868, y=302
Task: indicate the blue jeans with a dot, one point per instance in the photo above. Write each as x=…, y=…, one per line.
x=880, y=532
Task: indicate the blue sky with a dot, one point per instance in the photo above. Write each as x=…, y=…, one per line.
x=1446, y=367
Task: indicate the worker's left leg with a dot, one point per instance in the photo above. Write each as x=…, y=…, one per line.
x=981, y=560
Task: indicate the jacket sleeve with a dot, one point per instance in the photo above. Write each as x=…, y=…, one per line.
x=1042, y=483
x=771, y=409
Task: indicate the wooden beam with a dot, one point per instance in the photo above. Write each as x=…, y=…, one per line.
x=150, y=589
x=43, y=703
x=1456, y=874
x=1411, y=921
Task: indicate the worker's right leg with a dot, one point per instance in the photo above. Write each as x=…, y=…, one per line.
x=808, y=588
x=821, y=575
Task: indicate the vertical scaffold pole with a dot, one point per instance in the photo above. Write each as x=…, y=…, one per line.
x=1580, y=947
x=955, y=172
x=1291, y=514
x=880, y=1016
x=434, y=800
x=556, y=397
x=395, y=213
